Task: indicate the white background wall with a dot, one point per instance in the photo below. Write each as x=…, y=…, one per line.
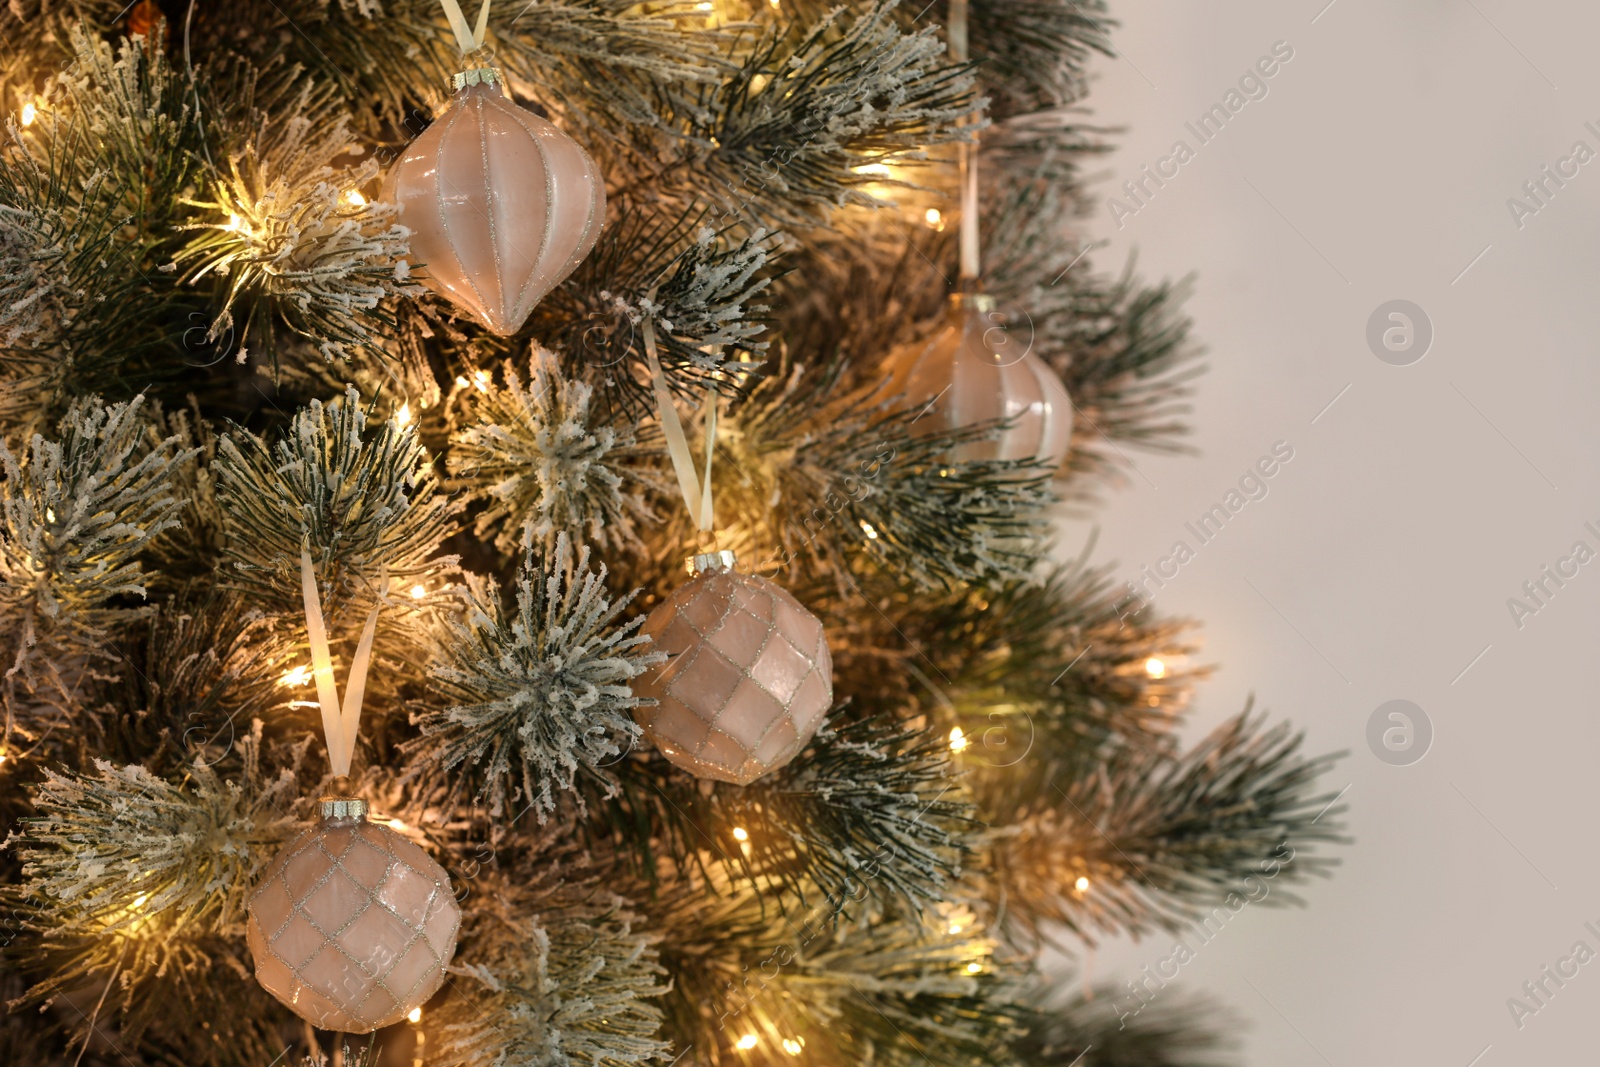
x=1378, y=167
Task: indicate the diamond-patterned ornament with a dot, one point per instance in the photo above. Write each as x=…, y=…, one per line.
x=352, y=925
x=748, y=678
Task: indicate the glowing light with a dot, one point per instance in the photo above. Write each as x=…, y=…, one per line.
x=1082, y=884
x=461, y=382
x=707, y=5
x=877, y=170
x=956, y=928
x=397, y=824
x=480, y=378
x=792, y=1047
x=139, y=900
x=49, y=514
x=403, y=416
x=866, y=528
x=418, y=592
x=1155, y=668
x=958, y=739
x=974, y=968
x=748, y=1041
x=296, y=677
x=29, y=113
x=355, y=198
x=934, y=218
x=415, y=1015
x=235, y=223
x=741, y=834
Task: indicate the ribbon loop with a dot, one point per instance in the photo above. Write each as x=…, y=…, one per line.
x=468, y=37
x=339, y=725
x=696, y=498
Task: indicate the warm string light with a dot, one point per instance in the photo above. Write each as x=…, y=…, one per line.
x=29, y=112
x=740, y=834
x=418, y=592
x=1082, y=884
x=415, y=1015
x=868, y=529
x=958, y=739
x=295, y=677
x=747, y=1042
x=355, y=198
x=934, y=217
x=974, y=968
x=402, y=418
x=1155, y=667
x=792, y=1045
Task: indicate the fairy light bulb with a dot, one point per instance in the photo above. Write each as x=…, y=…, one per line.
x=747, y=1042
x=741, y=834
x=974, y=968
x=414, y=1015
x=398, y=825
x=418, y=592
x=296, y=677
x=1155, y=667
x=1082, y=884
x=791, y=1046
x=29, y=113
x=868, y=529
x=934, y=217
x=355, y=198
x=402, y=417
x=958, y=739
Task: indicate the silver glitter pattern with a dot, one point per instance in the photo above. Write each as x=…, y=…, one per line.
x=748, y=678
x=352, y=926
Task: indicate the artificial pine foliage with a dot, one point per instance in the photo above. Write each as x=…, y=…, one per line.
x=214, y=354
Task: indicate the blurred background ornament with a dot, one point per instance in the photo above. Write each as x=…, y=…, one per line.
x=748, y=678
x=352, y=925
x=975, y=369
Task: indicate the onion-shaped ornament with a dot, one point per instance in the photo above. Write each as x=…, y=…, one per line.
x=748, y=678
x=352, y=925
x=972, y=370
x=501, y=204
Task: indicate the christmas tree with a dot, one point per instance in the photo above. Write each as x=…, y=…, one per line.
x=368, y=371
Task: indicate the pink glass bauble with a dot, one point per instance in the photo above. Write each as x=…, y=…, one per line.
x=748, y=677
x=975, y=369
x=352, y=925
x=500, y=203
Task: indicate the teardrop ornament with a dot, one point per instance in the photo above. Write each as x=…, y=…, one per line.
x=501, y=204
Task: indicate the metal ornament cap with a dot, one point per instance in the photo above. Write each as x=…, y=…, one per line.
x=352, y=925
x=501, y=204
x=748, y=678
x=972, y=370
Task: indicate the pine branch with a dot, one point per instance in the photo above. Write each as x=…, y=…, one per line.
x=132, y=878
x=1162, y=838
x=77, y=512
x=546, y=463
x=1064, y=1029
x=886, y=989
x=830, y=478
x=368, y=505
x=537, y=694
x=559, y=975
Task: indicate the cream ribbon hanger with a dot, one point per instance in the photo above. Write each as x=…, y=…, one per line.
x=339, y=724
x=696, y=498
x=468, y=36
